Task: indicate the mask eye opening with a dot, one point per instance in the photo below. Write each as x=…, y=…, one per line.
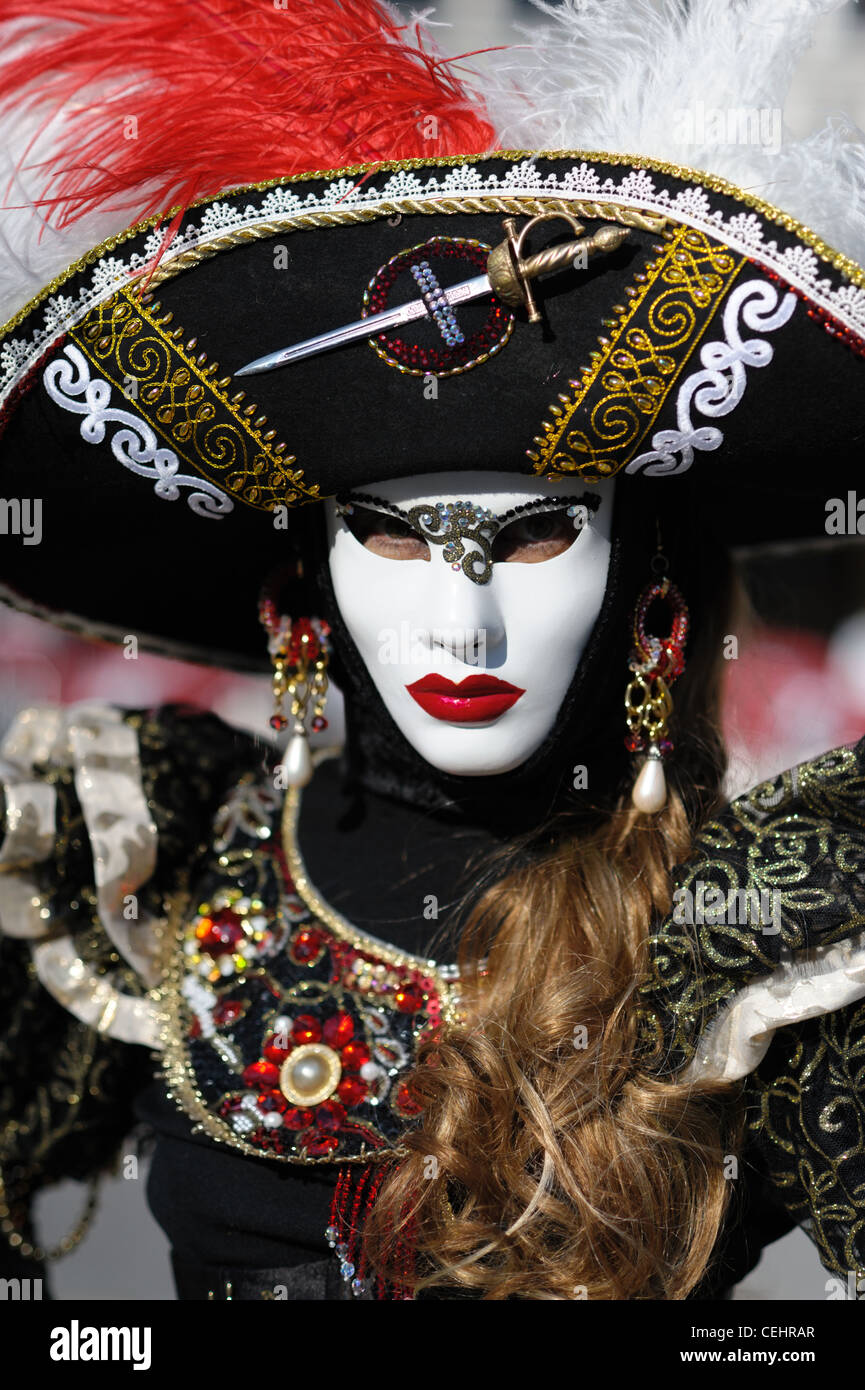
x=381, y=529
x=542, y=530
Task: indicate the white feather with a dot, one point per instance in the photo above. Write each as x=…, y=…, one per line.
x=627, y=76
x=32, y=250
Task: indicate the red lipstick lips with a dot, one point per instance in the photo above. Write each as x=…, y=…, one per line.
x=475, y=700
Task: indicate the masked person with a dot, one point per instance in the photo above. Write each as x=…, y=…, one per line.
x=503, y=1001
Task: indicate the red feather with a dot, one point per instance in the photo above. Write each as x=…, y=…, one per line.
x=174, y=101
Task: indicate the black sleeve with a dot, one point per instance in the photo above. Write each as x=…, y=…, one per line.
x=66, y=1097
x=808, y=1123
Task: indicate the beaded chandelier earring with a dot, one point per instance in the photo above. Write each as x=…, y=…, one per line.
x=656, y=662
x=299, y=650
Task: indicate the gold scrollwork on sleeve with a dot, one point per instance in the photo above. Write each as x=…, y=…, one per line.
x=793, y=849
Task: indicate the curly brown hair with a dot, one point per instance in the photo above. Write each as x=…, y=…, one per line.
x=564, y=1167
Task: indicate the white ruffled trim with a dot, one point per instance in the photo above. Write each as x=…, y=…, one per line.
x=94, y=741
x=91, y=997
x=122, y=834
x=30, y=820
x=738, y=1039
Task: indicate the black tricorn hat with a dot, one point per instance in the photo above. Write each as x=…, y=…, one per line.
x=710, y=335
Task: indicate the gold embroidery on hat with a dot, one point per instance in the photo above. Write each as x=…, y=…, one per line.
x=178, y=393
x=647, y=340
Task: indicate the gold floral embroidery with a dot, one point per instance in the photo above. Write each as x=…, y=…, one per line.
x=181, y=398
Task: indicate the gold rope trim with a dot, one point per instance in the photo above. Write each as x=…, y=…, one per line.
x=406, y=207
x=849, y=268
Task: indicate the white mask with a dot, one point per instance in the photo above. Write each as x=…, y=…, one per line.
x=415, y=613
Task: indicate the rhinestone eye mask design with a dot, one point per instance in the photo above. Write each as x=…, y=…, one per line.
x=466, y=530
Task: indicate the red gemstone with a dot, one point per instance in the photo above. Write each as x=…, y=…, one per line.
x=409, y=998
x=330, y=1116
x=295, y=1118
x=319, y=723
x=276, y=1051
x=278, y=722
x=307, y=1029
x=261, y=1074
x=195, y=1028
x=303, y=642
x=354, y=1054
x=339, y=1030
x=226, y=1011
x=351, y=1090
x=316, y=1144
x=306, y=946
x=272, y=1100
x=220, y=933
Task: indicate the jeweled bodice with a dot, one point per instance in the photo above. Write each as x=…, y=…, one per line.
x=288, y=1033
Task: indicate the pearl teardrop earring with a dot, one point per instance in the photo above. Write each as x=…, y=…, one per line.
x=299, y=650
x=655, y=664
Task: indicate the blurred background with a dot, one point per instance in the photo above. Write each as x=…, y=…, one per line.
x=796, y=687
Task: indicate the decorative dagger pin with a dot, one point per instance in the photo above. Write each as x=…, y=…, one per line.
x=508, y=276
